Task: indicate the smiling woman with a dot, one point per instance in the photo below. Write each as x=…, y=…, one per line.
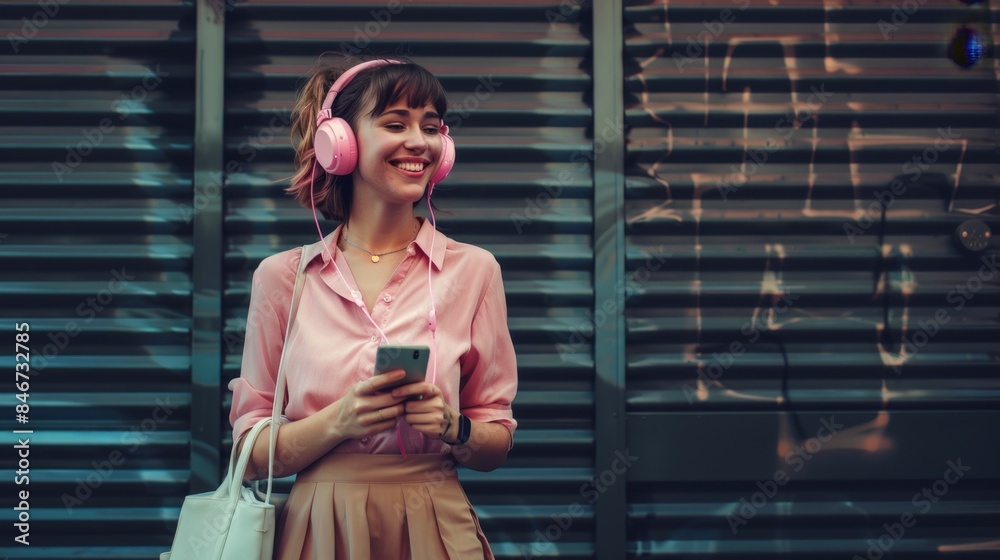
x=375, y=468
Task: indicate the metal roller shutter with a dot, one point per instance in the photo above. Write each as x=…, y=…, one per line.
x=755, y=164
x=96, y=126
x=765, y=299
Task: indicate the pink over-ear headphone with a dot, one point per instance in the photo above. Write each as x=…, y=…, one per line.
x=335, y=144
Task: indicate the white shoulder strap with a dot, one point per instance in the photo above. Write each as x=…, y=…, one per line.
x=308, y=252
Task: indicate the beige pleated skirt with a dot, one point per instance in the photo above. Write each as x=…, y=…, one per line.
x=379, y=507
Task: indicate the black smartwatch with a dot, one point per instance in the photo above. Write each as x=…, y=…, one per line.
x=464, y=430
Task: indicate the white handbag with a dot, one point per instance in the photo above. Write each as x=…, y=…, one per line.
x=233, y=523
x=229, y=523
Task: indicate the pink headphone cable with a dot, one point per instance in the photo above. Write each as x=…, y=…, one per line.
x=432, y=318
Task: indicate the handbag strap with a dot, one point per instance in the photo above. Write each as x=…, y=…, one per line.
x=238, y=467
x=308, y=252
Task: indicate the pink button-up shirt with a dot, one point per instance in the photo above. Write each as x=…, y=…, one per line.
x=332, y=344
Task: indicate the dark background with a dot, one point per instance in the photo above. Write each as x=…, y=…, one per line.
x=686, y=318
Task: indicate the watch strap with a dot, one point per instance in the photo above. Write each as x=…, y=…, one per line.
x=464, y=431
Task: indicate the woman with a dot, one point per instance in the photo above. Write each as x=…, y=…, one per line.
x=375, y=476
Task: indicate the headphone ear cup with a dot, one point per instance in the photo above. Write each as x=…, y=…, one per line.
x=447, y=159
x=336, y=148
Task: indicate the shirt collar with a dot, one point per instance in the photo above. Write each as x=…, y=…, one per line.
x=425, y=236
x=331, y=250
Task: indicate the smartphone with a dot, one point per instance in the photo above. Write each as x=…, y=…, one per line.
x=411, y=359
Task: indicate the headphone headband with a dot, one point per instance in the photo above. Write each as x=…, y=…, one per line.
x=346, y=78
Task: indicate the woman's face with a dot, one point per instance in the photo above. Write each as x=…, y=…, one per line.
x=398, y=152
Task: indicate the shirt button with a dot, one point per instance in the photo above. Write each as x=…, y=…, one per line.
x=365, y=439
x=374, y=338
x=387, y=298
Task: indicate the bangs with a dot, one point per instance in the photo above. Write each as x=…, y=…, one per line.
x=394, y=82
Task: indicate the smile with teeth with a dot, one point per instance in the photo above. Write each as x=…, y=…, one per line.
x=408, y=166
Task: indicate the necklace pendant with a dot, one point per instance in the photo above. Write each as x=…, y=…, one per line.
x=374, y=258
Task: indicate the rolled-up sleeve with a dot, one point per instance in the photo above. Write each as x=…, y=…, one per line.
x=489, y=371
x=253, y=390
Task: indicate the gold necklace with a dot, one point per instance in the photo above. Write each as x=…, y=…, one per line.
x=377, y=256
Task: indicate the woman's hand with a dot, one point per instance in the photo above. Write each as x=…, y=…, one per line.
x=429, y=414
x=364, y=411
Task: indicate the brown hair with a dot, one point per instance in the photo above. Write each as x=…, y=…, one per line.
x=386, y=84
